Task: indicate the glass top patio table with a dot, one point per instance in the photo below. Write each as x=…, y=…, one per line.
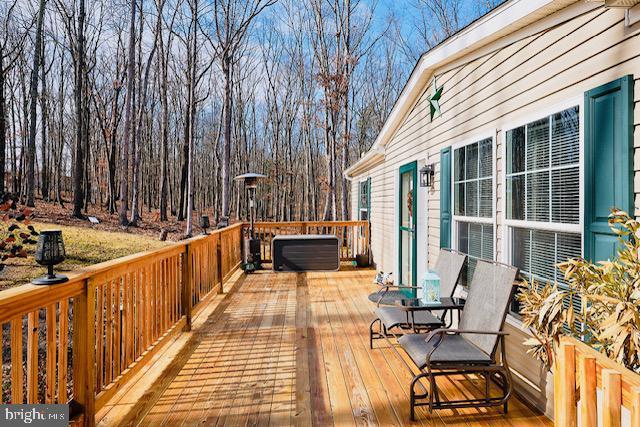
x=416, y=304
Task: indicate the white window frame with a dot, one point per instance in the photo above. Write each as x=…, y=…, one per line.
x=510, y=224
x=360, y=208
x=473, y=219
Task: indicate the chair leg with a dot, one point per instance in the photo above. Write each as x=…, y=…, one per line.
x=413, y=397
x=371, y=332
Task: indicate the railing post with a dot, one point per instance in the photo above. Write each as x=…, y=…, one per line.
x=565, y=391
x=187, y=284
x=219, y=263
x=84, y=356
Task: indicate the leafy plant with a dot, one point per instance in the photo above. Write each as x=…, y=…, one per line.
x=610, y=292
x=17, y=231
x=544, y=314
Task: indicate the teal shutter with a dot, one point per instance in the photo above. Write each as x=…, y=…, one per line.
x=608, y=122
x=445, y=198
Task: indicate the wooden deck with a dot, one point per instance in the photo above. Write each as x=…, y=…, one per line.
x=288, y=349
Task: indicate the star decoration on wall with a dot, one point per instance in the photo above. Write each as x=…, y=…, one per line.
x=434, y=100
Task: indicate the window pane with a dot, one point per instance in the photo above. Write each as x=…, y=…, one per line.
x=485, y=207
x=569, y=246
x=459, y=199
x=487, y=241
x=538, y=196
x=515, y=197
x=463, y=237
x=458, y=164
x=471, y=199
x=538, y=144
x=515, y=150
x=486, y=158
x=565, y=135
x=475, y=240
x=521, y=251
x=472, y=161
x=543, y=254
x=565, y=195
x=407, y=200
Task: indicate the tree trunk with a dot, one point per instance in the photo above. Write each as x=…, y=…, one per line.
x=226, y=146
x=78, y=169
x=128, y=121
x=33, y=94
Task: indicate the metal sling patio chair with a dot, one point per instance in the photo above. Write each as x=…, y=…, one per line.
x=449, y=267
x=469, y=349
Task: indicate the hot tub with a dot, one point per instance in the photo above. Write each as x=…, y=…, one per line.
x=307, y=252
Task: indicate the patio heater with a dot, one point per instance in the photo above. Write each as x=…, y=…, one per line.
x=251, y=257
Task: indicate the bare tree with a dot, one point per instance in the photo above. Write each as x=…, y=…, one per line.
x=232, y=20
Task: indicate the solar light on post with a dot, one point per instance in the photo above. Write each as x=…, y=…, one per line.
x=49, y=252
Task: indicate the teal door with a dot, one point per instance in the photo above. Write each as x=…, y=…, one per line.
x=407, y=247
x=608, y=122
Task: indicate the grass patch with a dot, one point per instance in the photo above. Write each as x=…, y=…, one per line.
x=84, y=246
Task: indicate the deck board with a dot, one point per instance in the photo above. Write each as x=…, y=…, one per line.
x=293, y=349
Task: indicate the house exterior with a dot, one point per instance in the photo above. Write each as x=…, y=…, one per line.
x=538, y=137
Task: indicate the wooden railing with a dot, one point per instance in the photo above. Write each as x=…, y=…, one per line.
x=87, y=337
x=579, y=373
x=353, y=235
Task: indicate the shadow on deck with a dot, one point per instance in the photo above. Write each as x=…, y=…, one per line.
x=289, y=349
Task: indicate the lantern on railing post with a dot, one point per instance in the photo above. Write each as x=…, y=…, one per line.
x=49, y=252
x=251, y=243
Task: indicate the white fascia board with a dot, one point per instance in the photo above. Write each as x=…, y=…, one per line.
x=492, y=26
x=371, y=158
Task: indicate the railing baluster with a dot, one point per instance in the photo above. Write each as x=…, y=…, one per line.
x=63, y=345
x=17, y=395
x=32, y=356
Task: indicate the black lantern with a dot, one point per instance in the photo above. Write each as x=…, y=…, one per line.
x=204, y=223
x=427, y=172
x=50, y=252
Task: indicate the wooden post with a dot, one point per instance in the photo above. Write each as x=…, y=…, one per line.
x=187, y=284
x=635, y=406
x=219, y=264
x=612, y=402
x=565, y=393
x=588, y=398
x=84, y=355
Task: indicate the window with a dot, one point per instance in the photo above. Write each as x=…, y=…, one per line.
x=543, y=194
x=473, y=202
x=364, y=200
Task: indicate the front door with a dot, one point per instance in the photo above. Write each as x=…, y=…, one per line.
x=407, y=225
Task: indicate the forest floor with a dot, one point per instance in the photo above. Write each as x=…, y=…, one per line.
x=88, y=244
